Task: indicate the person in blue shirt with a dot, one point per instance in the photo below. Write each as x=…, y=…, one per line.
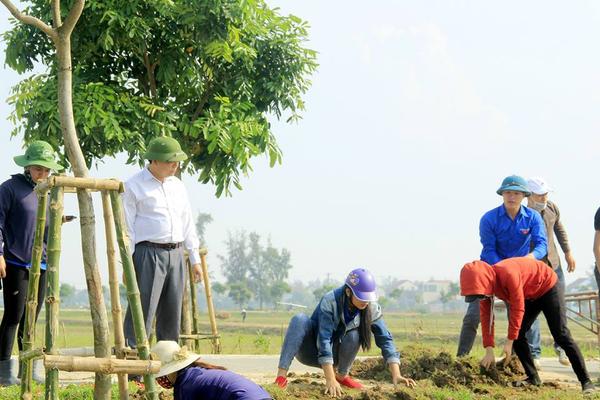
x=344, y=321
x=192, y=379
x=510, y=230
x=18, y=209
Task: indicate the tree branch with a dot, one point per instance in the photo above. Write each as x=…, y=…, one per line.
x=73, y=17
x=29, y=20
x=56, y=13
x=150, y=70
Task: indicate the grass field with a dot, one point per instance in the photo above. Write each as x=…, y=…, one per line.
x=263, y=332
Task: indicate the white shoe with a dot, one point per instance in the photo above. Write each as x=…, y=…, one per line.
x=537, y=364
x=562, y=357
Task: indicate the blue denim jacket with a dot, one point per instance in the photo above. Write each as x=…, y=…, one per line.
x=328, y=320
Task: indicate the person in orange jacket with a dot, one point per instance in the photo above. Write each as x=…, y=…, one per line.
x=529, y=287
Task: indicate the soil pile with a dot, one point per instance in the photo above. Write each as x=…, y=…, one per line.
x=441, y=368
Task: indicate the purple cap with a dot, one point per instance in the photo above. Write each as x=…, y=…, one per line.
x=362, y=284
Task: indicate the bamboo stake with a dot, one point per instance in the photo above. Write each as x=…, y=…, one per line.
x=113, y=279
x=31, y=354
x=32, y=293
x=133, y=293
x=102, y=365
x=80, y=183
x=193, y=301
x=216, y=343
x=53, y=295
x=186, y=322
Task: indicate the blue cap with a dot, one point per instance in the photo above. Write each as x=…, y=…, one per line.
x=514, y=183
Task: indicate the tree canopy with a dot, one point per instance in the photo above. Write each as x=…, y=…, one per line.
x=208, y=73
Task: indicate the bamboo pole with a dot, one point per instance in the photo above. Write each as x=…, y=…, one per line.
x=133, y=293
x=216, y=343
x=31, y=354
x=80, y=183
x=199, y=336
x=53, y=295
x=32, y=293
x=102, y=365
x=113, y=279
x=194, y=302
x=186, y=321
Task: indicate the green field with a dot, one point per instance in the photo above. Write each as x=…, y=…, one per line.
x=263, y=332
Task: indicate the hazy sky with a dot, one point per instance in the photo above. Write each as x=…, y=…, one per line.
x=419, y=109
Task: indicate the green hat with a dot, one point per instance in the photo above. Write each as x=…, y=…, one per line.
x=514, y=183
x=39, y=153
x=165, y=149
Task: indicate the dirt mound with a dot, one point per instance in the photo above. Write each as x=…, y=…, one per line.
x=441, y=368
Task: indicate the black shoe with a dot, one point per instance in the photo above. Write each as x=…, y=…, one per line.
x=8, y=372
x=588, y=387
x=535, y=381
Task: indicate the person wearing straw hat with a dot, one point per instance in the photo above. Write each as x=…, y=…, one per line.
x=510, y=230
x=18, y=210
x=192, y=379
x=160, y=225
x=554, y=229
x=529, y=288
x=345, y=320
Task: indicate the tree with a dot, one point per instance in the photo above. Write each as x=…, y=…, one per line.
x=52, y=44
x=66, y=291
x=320, y=292
x=240, y=293
x=202, y=220
x=208, y=73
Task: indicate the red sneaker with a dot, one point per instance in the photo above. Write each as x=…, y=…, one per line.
x=349, y=382
x=281, y=381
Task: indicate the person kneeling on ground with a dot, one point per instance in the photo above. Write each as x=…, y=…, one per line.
x=342, y=322
x=192, y=379
x=529, y=287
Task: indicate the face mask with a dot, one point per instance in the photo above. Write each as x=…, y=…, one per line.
x=538, y=206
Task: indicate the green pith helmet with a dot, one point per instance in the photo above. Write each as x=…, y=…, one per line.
x=165, y=149
x=39, y=153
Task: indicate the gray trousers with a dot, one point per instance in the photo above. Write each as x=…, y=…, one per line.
x=160, y=275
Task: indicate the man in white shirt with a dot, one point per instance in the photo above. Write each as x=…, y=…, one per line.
x=160, y=225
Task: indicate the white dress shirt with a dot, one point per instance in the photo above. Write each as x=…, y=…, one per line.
x=159, y=212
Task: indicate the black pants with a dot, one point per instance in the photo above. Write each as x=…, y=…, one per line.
x=15, y=286
x=552, y=304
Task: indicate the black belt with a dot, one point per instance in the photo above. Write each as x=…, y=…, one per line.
x=167, y=246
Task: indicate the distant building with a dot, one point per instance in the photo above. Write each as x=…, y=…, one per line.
x=432, y=290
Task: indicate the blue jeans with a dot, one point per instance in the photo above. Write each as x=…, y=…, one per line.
x=468, y=332
x=534, y=339
x=301, y=342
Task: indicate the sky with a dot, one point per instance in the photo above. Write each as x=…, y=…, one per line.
x=417, y=112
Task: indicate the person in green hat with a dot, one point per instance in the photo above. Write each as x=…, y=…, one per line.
x=160, y=226
x=18, y=208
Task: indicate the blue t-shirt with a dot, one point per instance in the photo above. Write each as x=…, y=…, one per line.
x=18, y=210
x=503, y=237
x=196, y=383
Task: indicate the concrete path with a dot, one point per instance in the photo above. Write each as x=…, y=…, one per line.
x=263, y=368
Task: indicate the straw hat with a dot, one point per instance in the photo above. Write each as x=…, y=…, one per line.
x=172, y=357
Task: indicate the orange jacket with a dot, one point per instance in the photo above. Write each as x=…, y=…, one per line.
x=513, y=280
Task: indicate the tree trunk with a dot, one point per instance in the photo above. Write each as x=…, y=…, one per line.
x=102, y=386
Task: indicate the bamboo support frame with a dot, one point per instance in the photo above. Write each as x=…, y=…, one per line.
x=194, y=303
x=216, y=343
x=80, y=183
x=32, y=293
x=186, y=323
x=113, y=279
x=31, y=354
x=53, y=296
x=133, y=293
x=102, y=365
